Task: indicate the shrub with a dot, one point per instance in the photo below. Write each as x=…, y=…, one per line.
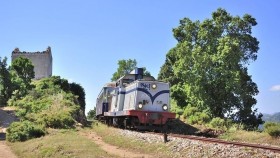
x=195, y=116
x=233, y=127
x=59, y=119
x=272, y=128
x=91, y=114
x=59, y=115
x=22, y=131
x=198, y=118
x=203, y=117
x=189, y=111
x=218, y=122
x=270, y=124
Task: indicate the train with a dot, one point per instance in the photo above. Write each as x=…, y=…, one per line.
x=135, y=101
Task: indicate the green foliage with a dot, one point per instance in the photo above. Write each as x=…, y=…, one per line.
x=233, y=127
x=6, y=87
x=21, y=131
x=195, y=116
x=55, y=83
x=60, y=114
x=176, y=109
x=91, y=114
x=218, y=122
x=22, y=72
x=272, y=128
x=189, y=110
x=50, y=104
x=79, y=91
x=55, y=119
x=125, y=67
x=208, y=67
x=23, y=68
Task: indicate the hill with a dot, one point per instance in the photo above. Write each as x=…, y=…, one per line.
x=272, y=117
x=51, y=103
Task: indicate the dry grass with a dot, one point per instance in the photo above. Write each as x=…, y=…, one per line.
x=111, y=136
x=8, y=108
x=251, y=137
x=58, y=144
x=69, y=143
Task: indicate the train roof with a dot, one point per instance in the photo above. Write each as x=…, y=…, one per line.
x=134, y=78
x=110, y=84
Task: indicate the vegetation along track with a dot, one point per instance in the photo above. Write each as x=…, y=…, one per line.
x=214, y=140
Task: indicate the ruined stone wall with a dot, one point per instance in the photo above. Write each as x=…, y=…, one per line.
x=42, y=61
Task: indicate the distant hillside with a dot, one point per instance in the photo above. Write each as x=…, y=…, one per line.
x=273, y=118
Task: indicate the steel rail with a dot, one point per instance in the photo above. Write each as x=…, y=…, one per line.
x=214, y=140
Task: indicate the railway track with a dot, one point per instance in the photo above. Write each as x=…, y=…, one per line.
x=214, y=140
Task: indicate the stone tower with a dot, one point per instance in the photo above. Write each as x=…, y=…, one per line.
x=42, y=61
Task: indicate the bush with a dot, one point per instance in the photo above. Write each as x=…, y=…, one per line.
x=189, y=111
x=233, y=127
x=91, y=114
x=22, y=131
x=198, y=118
x=272, y=128
x=195, y=116
x=59, y=119
x=218, y=122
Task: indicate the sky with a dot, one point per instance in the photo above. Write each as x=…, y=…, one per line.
x=88, y=37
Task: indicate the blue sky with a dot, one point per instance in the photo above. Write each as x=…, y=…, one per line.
x=89, y=37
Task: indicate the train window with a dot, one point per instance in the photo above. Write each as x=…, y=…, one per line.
x=126, y=82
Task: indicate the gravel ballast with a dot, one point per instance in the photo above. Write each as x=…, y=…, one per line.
x=179, y=147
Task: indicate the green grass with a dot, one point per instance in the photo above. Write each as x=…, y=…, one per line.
x=58, y=144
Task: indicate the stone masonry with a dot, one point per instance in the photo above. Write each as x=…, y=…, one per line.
x=42, y=61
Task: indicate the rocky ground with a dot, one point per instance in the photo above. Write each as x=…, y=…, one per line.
x=179, y=147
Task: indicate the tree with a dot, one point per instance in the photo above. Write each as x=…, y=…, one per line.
x=22, y=72
x=208, y=66
x=5, y=82
x=91, y=114
x=79, y=91
x=125, y=67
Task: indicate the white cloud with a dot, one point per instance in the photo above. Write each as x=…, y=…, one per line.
x=275, y=88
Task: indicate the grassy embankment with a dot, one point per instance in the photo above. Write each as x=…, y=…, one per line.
x=58, y=144
x=251, y=137
x=111, y=136
x=70, y=143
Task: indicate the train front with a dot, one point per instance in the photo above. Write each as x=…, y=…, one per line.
x=152, y=103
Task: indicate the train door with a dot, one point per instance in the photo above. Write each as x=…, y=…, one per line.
x=114, y=104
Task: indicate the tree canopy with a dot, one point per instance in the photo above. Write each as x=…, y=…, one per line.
x=208, y=66
x=91, y=114
x=22, y=72
x=125, y=67
x=5, y=82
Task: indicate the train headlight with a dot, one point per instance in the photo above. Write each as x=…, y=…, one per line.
x=154, y=86
x=164, y=107
x=140, y=105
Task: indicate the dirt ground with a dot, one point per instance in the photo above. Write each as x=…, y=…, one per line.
x=5, y=151
x=114, y=150
x=6, y=118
